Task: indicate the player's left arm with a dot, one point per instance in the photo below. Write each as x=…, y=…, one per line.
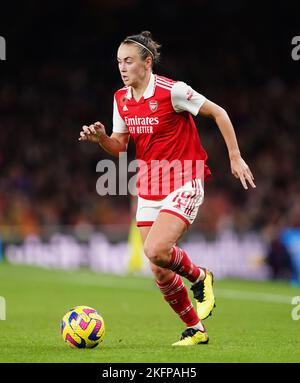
x=239, y=168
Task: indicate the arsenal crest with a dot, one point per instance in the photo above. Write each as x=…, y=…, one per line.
x=153, y=105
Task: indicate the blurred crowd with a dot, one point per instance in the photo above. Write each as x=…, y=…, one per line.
x=48, y=178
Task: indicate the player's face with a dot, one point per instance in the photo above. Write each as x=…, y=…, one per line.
x=131, y=66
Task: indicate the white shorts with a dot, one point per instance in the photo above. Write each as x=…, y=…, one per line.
x=183, y=202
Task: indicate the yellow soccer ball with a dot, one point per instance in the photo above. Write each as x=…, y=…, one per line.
x=83, y=327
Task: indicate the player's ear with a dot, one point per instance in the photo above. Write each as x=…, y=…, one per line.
x=148, y=62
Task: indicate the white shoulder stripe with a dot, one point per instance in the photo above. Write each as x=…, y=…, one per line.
x=162, y=86
x=165, y=81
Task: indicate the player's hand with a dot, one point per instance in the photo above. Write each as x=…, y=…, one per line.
x=241, y=170
x=92, y=133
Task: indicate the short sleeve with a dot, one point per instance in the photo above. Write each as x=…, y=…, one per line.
x=119, y=125
x=184, y=98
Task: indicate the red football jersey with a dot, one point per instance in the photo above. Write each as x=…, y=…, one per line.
x=168, y=147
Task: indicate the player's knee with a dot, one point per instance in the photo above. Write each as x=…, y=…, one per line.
x=156, y=253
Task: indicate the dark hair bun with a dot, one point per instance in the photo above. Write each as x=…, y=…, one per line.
x=146, y=34
x=151, y=47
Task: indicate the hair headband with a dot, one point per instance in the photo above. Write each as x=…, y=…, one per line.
x=142, y=45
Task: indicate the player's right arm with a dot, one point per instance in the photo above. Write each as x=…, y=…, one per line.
x=117, y=142
x=114, y=144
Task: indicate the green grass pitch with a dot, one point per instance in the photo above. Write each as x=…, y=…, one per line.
x=251, y=323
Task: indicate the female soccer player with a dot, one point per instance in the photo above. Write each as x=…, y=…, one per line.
x=157, y=113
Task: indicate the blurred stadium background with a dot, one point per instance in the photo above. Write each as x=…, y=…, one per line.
x=61, y=73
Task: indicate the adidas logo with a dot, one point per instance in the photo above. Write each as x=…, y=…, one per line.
x=125, y=108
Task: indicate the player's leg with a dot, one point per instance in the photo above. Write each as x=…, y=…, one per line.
x=147, y=213
x=175, y=293
x=160, y=247
x=178, y=212
x=161, y=275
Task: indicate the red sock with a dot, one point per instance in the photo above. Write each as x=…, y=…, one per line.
x=175, y=293
x=182, y=265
